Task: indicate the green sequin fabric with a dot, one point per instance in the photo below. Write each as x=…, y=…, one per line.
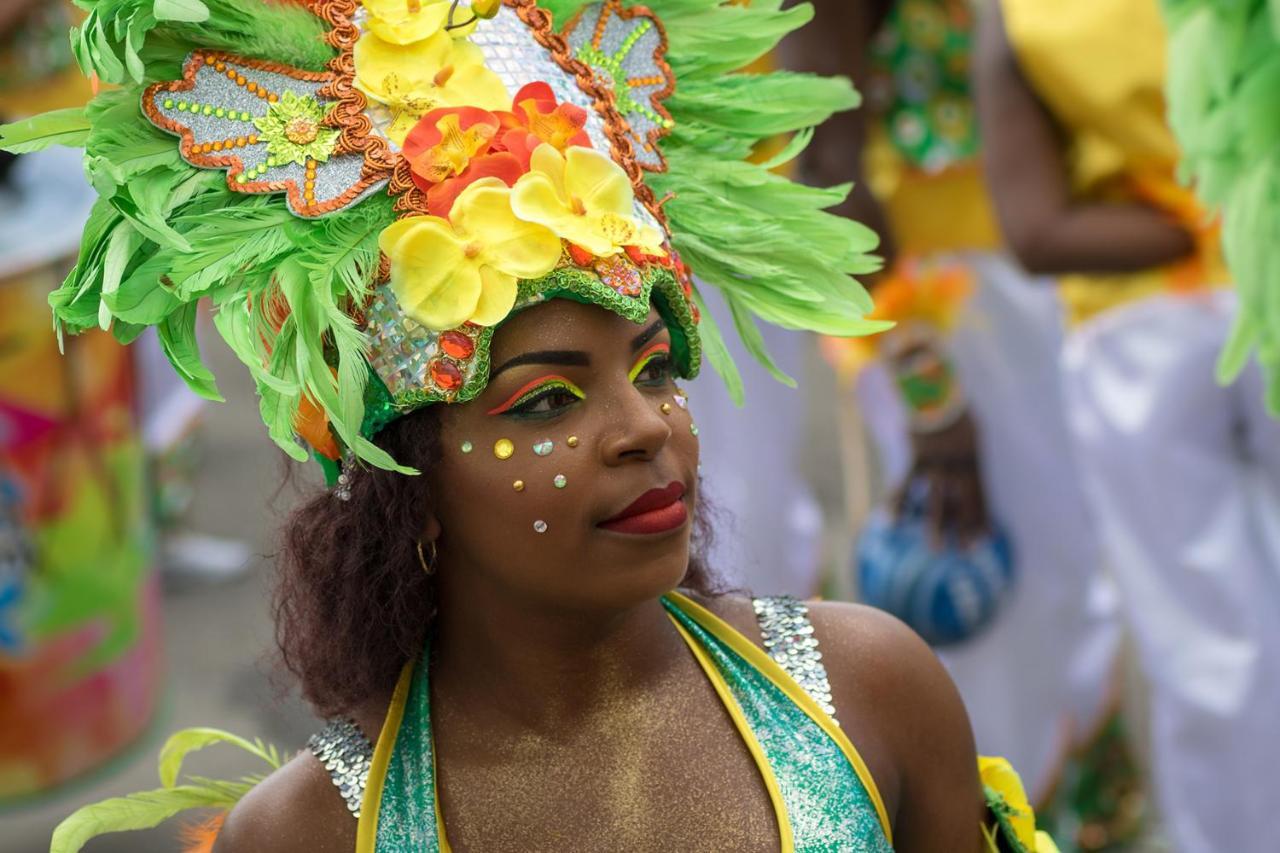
x=920, y=82
x=827, y=805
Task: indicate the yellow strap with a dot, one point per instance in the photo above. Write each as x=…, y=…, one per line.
x=367, y=827
x=754, y=655
x=748, y=736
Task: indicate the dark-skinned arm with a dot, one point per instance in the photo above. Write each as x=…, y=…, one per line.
x=1047, y=230
x=915, y=733
x=837, y=42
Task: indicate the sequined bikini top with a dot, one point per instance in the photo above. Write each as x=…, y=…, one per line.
x=779, y=699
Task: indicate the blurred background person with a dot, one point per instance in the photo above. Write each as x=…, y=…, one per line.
x=79, y=597
x=1181, y=473
x=986, y=547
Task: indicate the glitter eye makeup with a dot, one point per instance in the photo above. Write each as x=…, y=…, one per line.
x=659, y=352
x=525, y=401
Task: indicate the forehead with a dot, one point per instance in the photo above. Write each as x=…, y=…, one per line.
x=565, y=324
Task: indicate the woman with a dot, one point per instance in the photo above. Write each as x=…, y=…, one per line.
x=1181, y=473
x=470, y=307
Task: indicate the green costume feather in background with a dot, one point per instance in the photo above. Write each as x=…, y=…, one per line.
x=1224, y=107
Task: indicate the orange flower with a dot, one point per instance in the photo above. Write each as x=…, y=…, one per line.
x=537, y=118
x=452, y=148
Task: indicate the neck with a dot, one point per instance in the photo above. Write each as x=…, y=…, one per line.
x=543, y=663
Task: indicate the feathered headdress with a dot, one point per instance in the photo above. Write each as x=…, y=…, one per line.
x=366, y=190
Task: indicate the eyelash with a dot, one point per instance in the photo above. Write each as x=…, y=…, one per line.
x=521, y=403
x=658, y=354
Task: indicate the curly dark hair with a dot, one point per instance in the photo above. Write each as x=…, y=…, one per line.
x=351, y=601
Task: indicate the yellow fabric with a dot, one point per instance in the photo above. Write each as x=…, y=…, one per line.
x=1099, y=67
x=748, y=736
x=755, y=656
x=930, y=213
x=367, y=826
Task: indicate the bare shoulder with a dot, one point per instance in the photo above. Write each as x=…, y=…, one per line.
x=900, y=707
x=296, y=809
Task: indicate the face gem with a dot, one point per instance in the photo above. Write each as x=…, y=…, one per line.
x=518, y=485
x=693, y=428
x=503, y=448
x=540, y=526
x=467, y=447
x=666, y=408
x=681, y=400
x=561, y=481
x=572, y=441
x=544, y=447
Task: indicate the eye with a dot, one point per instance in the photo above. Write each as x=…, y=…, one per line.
x=545, y=402
x=653, y=367
x=541, y=398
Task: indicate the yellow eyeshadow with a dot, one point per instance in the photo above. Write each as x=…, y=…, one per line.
x=646, y=358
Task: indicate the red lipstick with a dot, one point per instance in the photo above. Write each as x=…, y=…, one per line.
x=656, y=511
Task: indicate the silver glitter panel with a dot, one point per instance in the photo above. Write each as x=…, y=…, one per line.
x=790, y=641
x=214, y=89
x=401, y=350
x=626, y=62
x=511, y=52
x=346, y=753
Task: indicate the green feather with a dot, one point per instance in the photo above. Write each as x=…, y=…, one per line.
x=1223, y=91
x=148, y=809
x=68, y=127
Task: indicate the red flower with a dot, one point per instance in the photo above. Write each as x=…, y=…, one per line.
x=537, y=118
x=451, y=148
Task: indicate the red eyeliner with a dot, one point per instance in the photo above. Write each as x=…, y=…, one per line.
x=514, y=398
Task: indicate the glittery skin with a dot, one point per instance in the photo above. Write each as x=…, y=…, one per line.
x=826, y=803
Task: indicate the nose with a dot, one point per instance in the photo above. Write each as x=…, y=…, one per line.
x=638, y=430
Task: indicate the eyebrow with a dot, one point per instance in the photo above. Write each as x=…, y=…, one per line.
x=648, y=334
x=567, y=358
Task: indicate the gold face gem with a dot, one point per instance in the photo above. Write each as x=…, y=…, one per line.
x=666, y=408
x=518, y=485
x=572, y=441
x=503, y=448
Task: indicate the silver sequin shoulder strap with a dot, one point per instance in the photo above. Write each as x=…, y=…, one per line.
x=346, y=753
x=789, y=639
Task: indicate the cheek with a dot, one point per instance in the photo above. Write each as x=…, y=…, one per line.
x=506, y=486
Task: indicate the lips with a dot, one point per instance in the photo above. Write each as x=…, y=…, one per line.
x=656, y=511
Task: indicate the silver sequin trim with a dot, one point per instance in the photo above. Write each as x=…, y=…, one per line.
x=790, y=641
x=346, y=753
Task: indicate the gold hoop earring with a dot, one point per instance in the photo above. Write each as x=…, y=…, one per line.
x=428, y=566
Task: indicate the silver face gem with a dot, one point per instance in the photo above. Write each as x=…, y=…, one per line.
x=681, y=400
x=540, y=526
x=467, y=447
x=544, y=447
x=561, y=481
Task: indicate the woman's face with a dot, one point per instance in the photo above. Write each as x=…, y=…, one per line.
x=572, y=478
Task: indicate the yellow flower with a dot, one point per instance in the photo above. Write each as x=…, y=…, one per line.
x=1000, y=776
x=415, y=79
x=449, y=272
x=584, y=197
x=406, y=21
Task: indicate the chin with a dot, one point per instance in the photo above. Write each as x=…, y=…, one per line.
x=641, y=572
